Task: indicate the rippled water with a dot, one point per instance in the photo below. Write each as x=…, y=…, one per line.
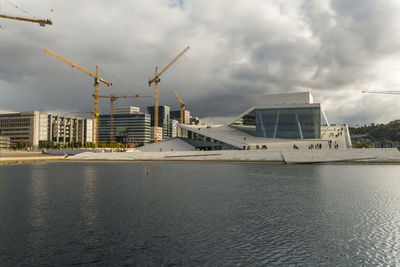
x=199, y=214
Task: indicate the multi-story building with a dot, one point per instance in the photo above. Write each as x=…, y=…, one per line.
x=21, y=127
x=33, y=127
x=126, y=110
x=174, y=128
x=176, y=115
x=130, y=126
x=66, y=129
x=158, y=135
x=5, y=142
x=163, y=119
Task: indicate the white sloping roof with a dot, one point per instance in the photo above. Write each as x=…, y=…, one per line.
x=237, y=138
x=231, y=136
x=174, y=144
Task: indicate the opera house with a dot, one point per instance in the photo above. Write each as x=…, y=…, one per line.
x=279, y=121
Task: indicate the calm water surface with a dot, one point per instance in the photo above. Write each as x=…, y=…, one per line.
x=199, y=214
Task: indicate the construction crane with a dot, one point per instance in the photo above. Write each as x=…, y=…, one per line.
x=114, y=98
x=42, y=22
x=156, y=80
x=383, y=92
x=182, y=106
x=95, y=111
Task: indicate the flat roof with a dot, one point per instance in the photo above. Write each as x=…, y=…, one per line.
x=285, y=98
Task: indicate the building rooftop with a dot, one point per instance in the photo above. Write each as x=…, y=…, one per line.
x=284, y=99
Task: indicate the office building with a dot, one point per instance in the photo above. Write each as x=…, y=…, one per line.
x=126, y=110
x=33, y=127
x=163, y=119
x=130, y=126
x=158, y=135
x=176, y=115
x=21, y=127
x=66, y=129
x=4, y=142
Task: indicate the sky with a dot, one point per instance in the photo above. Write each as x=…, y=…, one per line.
x=239, y=50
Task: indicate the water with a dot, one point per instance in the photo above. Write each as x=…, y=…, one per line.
x=199, y=214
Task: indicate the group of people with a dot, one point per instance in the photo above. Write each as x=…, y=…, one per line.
x=337, y=134
x=316, y=146
x=335, y=145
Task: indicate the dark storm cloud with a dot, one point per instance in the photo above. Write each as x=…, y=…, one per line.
x=239, y=50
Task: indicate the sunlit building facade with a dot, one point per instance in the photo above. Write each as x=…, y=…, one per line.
x=130, y=127
x=34, y=128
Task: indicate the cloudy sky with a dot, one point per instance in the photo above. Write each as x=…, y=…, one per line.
x=238, y=50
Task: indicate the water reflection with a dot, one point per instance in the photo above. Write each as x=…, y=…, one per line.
x=37, y=207
x=89, y=235
x=88, y=201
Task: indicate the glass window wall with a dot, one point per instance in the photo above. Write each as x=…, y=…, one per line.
x=287, y=123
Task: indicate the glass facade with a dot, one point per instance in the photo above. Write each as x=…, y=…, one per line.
x=287, y=123
x=163, y=119
x=128, y=128
x=203, y=142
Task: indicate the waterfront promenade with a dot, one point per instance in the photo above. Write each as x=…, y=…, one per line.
x=281, y=156
x=17, y=157
x=288, y=156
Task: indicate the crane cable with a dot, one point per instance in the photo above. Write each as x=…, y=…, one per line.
x=23, y=10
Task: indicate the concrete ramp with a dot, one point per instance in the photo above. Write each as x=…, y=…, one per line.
x=305, y=156
x=375, y=155
x=175, y=144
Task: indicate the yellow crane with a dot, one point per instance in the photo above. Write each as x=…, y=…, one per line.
x=156, y=80
x=114, y=98
x=182, y=106
x=95, y=111
x=42, y=22
x=383, y=92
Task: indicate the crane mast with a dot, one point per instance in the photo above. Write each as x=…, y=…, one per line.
x=156, y=80
x=97, y=80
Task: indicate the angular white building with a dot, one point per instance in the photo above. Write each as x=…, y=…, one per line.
x=291, y=120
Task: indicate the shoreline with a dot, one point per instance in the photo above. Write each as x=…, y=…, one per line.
x=21, y=157
x=283, y=157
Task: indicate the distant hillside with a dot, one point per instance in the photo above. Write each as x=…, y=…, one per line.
x=377, y=133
